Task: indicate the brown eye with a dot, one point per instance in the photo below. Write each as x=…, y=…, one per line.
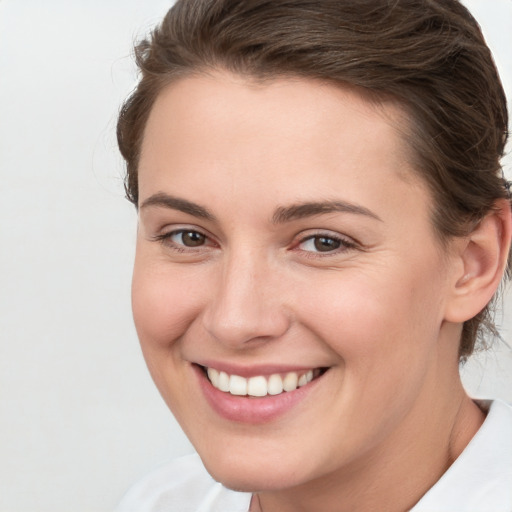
x=186, y=241
x=190, y=238
x=326, y=244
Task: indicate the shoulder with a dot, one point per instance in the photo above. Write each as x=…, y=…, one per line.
x=481, y=478
x=183, y=485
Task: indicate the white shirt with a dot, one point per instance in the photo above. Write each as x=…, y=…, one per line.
x=480, y=480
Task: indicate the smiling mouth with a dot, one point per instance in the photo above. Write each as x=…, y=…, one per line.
x=261, y=385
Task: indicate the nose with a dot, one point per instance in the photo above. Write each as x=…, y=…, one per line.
x=246, y=305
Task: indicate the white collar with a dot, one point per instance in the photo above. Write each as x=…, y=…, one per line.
x=480, y=480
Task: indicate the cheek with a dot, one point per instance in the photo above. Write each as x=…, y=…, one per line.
x=164, y=301
x=374, y=320
x=385, y=336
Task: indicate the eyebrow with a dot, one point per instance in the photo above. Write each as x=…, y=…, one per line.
x=281, y=215
x=301, y=210
x=176, y=203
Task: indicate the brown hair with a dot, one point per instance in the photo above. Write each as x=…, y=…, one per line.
x=429, y=55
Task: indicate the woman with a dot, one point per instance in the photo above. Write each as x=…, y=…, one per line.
x=323, y=223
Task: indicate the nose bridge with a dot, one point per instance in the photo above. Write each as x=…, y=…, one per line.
x=246, y=304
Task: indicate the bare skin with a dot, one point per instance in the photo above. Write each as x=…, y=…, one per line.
x=282, y=224
x=374, y=486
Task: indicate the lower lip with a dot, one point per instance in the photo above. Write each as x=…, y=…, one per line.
x=246, y=409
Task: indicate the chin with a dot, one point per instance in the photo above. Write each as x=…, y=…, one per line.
x=246, y=475
x=254, y=480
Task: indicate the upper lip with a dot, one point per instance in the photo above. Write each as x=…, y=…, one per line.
x=257, y=369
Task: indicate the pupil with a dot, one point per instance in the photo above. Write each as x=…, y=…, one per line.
x=192, y=239
x=324, y=244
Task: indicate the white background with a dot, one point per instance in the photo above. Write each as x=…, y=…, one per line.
x=79, y=417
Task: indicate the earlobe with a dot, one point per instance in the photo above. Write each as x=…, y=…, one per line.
x=483, y=255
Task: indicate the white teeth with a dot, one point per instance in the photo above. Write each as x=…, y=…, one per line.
x=213, y=375
x=290, y=381
x=237, y=385
x=305, y=379
x=275, y=385
x=258, y=386
x=223, y=382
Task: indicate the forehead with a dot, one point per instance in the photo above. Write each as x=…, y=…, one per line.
x=293, y=103
x=293, y=134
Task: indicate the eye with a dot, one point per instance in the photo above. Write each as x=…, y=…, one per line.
x=187, y=238
x=324, y=243
x=320, y=244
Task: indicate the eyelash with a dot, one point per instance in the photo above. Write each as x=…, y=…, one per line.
x=345, y=244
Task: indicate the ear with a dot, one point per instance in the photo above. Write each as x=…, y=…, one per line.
x=481, y=261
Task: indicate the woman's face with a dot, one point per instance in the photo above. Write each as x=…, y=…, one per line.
x=283, y=236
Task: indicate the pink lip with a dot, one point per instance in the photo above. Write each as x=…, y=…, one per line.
x=249, y=409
